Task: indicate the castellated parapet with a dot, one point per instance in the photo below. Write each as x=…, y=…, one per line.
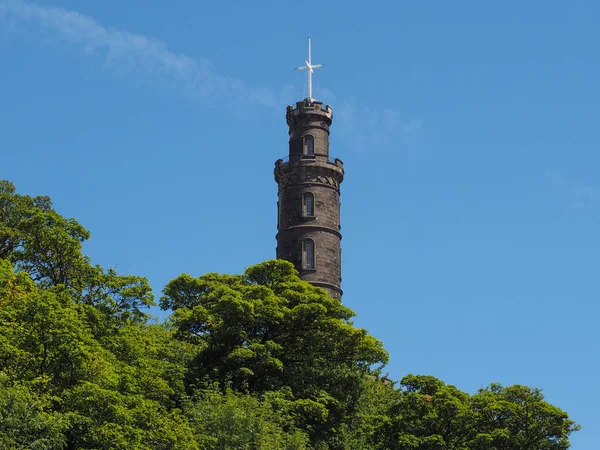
x=309, y=198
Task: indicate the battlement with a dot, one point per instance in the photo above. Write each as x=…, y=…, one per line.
x=309, y=106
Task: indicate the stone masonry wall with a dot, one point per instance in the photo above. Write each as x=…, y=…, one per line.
x=321, y=177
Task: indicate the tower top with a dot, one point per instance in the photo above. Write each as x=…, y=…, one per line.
x=310, y=68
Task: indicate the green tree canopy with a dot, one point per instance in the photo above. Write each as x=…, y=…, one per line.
x=260, y=360
x=267, y=330
x=431, y=415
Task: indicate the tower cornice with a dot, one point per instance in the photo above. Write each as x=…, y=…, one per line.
x=312, y=171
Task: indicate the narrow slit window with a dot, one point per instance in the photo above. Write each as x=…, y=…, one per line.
x=309, y=145
x=308, y=205
x=309, y=254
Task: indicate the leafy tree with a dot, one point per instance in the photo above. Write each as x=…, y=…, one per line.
x=103, y=418
x=230, y=420
x=24, y=422
x=254, y=361
x=429, y=415
x=364, y=428
x=15, y=211
x=518, y=418
x=46, y=245
x=151, y=363
x=267, y=330
x=38, y=240
x=44, y=338
x=124, y=398
x=433, y=415
x=116, y=300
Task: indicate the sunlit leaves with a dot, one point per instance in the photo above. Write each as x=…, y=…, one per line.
x=24, y=421
x=430, y=414
x=270, y=330
x=261, y=360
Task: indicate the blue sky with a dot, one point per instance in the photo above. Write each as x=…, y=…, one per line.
x=468, y=132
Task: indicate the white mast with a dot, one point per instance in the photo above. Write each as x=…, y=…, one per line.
x=309, y=66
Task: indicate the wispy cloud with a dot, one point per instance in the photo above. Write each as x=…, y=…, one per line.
x=581, y=194
x=136, y=55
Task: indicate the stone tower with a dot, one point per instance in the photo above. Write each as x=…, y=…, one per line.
x=308, y=216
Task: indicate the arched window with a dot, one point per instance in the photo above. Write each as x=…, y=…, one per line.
x=308, y=254
x=309, y=145
x=308, y=205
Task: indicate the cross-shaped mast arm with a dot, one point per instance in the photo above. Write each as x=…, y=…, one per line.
x=310, y=68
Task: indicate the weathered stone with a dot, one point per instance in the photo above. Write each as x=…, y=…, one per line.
x=306, y=173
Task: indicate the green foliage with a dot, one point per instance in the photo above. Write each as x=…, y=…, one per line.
x=105, y=419
x=268, y=330
x=432, y=415
x=38, y=240
x=230, y=420
x=118, y=395
x=24, y=423
x=116, y=300
x=45, y=339
x=517, y=417
x=429, y=415
x=261, y=360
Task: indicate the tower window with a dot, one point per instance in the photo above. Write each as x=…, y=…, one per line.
x=308, y=254
x=308, y=205
x=309, y=145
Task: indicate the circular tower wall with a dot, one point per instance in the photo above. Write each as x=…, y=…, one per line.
x=309, y=199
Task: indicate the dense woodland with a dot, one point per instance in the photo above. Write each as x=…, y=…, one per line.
x=261, y=360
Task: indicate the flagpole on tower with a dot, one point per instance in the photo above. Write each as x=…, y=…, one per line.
x=310, y=68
